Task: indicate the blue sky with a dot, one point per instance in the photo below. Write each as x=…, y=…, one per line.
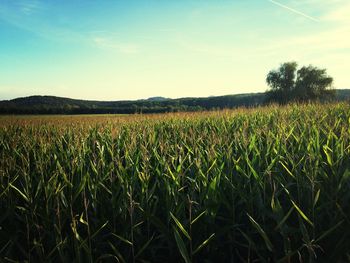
x=112, y=50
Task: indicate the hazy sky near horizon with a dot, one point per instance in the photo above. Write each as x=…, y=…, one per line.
x=132, y=49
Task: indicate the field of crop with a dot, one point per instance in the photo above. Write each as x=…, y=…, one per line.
x=249, y=185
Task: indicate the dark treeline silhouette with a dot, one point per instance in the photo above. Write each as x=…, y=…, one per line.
x=58, y=105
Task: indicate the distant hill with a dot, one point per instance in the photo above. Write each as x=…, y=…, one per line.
x=157, y=99
x=59, y=105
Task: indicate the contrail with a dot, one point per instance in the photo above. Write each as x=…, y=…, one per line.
x=294, y=11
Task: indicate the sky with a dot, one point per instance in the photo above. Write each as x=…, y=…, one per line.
x=134, y=49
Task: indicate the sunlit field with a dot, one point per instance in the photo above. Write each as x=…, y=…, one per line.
x=266, y=184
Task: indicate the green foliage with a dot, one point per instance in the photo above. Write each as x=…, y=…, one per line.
x=262, y=185
x=306, y=84
x=58, y=105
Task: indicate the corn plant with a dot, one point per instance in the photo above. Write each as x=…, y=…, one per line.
x=269, y=184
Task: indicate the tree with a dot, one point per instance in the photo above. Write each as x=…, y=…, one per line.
x=306, y=84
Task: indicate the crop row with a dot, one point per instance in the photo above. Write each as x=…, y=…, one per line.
x=267, y=184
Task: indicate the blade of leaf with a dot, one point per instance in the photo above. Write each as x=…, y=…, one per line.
x=181, y=245
x=284, y=218
x=301, y=213
x=180, y=226
x=144, y=247
x=329, y=231
x=199, y=216
x=317, y=197
x=261, y=232
x=122, y=239
x=204, y=243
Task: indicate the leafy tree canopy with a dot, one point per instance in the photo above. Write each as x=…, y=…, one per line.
x=288, y=83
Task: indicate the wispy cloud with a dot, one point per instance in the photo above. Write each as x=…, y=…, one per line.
x=29, y=7
x=331, y=40
x=335, y=35
x=294, y=11
x=26, y=16
x=113, y=44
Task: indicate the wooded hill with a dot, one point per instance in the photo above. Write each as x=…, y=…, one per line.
x=59, y=105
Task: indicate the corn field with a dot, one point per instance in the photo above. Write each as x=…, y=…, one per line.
x=269, y=184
